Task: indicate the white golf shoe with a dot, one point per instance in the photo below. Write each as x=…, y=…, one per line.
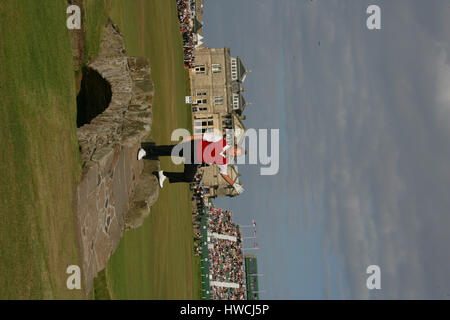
x=141, y=154
x=162, y=178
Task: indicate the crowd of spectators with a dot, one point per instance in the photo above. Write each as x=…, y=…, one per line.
x=227, y=265
x=228, y=293
x=184, y=15
x=219, y=221
x=226, y=260
x=198, y=208
x=226, y=256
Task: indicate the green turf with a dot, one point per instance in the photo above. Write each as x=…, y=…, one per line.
x=156, y=260
x=95, y=18
x=39, y=162
x=101, y=290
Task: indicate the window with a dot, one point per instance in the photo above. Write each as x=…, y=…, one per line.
x=218, y=100
x=201, y=93
x=234, y=69
x=201, y=101
x=204, y=124
x=203, y=108
x=235, y=101
x=216, y=68
x=200, y=69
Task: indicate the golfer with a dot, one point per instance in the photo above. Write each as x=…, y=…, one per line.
x=196, y=150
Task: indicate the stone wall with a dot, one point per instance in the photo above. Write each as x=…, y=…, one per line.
x=116, y=190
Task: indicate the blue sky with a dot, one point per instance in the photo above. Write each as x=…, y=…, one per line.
x=364, y=123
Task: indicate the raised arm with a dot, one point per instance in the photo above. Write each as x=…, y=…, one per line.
x=227, y=178
x=190, y=138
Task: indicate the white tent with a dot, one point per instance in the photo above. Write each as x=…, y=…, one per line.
x=199, y=43
x=197, y=37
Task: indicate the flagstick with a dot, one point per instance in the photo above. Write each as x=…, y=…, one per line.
x=253, y=225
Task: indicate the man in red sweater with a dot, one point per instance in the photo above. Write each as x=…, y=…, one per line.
x=196, y=150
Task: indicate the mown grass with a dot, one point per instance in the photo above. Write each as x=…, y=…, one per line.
x=95, y=18
x=101, y=290
x=39, y=162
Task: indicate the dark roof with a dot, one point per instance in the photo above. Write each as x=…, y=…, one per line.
x=235, y=87
x=242, y=72
x=197, y=25
x=242, y=102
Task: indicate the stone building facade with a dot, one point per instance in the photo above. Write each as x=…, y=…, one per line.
x=217, y=105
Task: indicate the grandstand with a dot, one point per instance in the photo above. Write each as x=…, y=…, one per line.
x=218, y=242
x=251, y=276
x=220, y=250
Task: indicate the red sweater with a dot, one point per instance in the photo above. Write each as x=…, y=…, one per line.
x=209, y=152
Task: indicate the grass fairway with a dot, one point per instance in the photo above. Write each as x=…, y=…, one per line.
x=95, y=16
x=156, y=260
x=39, y=163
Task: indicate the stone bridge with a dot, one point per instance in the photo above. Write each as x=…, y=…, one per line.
x=116, y=191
